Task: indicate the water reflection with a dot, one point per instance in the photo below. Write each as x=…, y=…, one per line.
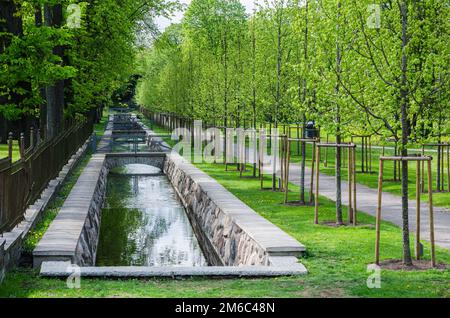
x=143, y=223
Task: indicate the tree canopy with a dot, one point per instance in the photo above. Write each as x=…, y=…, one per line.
x=89, y=45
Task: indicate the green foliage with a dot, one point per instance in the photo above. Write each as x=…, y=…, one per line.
x=196, y=68
x=98, y=56
x=323, y=59
x=410, y=70
x=29, y=59
x=4, y=148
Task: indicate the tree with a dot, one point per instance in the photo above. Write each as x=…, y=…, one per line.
x=277, y=18
x=398, y=72
x=214, y=26
x=333, y=110
x=10, y=25
x=382, y=71
x=80, y=68
x=53, y=17
x=304, y=92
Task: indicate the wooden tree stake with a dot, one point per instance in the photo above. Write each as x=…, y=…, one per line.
x=378, y=217
x=448, y=167
x=418, y=192
x=350, y=186
x=430, y=211
x=355, y=208
x=286, y=178
x=314, y=167
x=316, y=201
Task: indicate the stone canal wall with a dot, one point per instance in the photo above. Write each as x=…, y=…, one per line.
x=73, y=234
x=231, y=233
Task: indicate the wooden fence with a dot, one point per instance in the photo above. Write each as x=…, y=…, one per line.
x=22, y=182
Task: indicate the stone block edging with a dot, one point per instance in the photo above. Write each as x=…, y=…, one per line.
x=234, y=234
x=64, y=269
x=73, y=234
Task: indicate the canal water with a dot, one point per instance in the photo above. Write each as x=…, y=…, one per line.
x=143, y=223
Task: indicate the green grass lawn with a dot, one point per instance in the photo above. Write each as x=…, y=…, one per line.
x=336, y=259
x=15, y=153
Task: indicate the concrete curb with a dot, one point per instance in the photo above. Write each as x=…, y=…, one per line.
x=80, y=212
x=65, y=269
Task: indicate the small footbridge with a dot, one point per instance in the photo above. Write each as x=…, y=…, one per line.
x=126, y=134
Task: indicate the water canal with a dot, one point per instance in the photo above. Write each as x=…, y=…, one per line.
x=143, y=223
x=140, y=228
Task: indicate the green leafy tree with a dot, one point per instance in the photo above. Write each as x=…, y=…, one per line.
x=406, y=69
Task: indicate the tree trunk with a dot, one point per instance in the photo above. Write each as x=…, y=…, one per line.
x=303, y=163
x=254, y=88
x=304, y=97
x=9, y=22
x=11, y=25
x=3, y=129
x=54, y=93
x=38, y=20
x=404, y=95
x=278, y=86
x=339, y=220
x=225, y=93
